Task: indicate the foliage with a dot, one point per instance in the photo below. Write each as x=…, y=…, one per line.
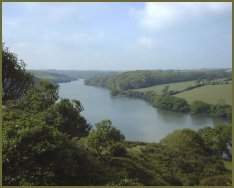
x=15, y=79
x=218, y=109
x=37, y=137
x=37, y=154
x=118, y=150
x=167, y=102
x=126, y=182
x=165, y=90
x=188, y=159
x=37, y=99
x=103, y=140
x=200, y=107
x=65, y=115
x=217, y=139
x=220, y=180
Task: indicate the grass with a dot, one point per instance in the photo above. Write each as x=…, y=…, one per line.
x=211, y=94
x=173, y=86
x=228, y=164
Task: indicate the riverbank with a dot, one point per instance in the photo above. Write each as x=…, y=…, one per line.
x=172, y=103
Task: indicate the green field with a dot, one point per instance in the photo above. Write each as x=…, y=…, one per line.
x=211, y=94
x=228, y=164
x=173, y=86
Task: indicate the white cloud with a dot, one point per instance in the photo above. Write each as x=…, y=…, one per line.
x=160, y=15
x=83, y=38
x=56, y=12
x=146, y=42
x=9, y=22
x=141, y=42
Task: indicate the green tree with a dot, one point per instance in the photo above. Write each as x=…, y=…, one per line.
x=189, y=159
x=200, y=107
x=165, y=90
x=35, y=153
x=219, y=180
x=217, y=139
x=66, y=116
x=168, y=102
x=104, y=138
x=15, y=79
x=38, y=99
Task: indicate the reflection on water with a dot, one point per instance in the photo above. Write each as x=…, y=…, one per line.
x=136, y=119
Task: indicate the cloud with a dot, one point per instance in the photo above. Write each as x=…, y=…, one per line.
x=141, y=42
x=82, y=38
x=54, y=13
x=160, y=15
x=146, y=42
x=9, y=22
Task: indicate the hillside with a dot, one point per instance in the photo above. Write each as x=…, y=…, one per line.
x=212, y=94
x=80, y=74
x=51, y=77
x=172, y=86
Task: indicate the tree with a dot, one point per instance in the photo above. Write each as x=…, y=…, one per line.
x=200, y=107
x=217, y=139
x=65, y=115
x=104, y=138
x=35, y=153
x=15, y=79
x=165, y=90
x=38, y=99
x=168, y=102
x=189, y=158
x=219, y=180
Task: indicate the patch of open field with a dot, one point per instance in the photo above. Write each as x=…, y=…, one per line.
x=228, y=164
x=173, y=86
x=212, y=94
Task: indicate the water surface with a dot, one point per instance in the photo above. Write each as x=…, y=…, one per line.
x=136, y=119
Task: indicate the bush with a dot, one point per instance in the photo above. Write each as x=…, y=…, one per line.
x=173, y=103
x=220, y=180
x=118, y=150
x=200, y=107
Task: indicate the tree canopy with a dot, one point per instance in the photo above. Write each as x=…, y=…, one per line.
x=15, y=79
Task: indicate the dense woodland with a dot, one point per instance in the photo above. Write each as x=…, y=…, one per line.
x=125, y=83
x=47, y=141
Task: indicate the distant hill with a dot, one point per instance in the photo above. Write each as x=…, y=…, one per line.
x=54, y=78
x=80, y=74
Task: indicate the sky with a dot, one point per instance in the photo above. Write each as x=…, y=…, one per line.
x=119, y=36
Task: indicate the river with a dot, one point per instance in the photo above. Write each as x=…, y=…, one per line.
x=135, y=118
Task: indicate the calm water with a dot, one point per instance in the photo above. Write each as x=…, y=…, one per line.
x=136, y=119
